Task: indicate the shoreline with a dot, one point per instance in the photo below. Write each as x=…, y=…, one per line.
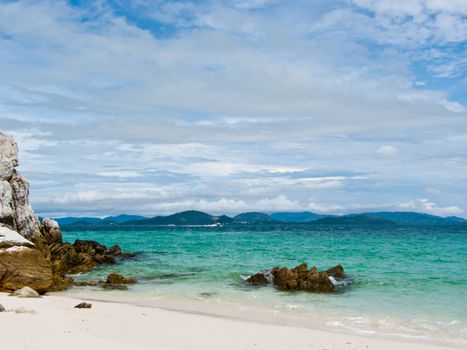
x=113, y=323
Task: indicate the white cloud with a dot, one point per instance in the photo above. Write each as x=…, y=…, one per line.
x=387, y=150
x=426, y=206
x=433, y=191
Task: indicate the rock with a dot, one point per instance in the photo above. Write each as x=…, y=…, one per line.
x=91, y=283
x=25, y=292
x=336, y=272
x=128, y=255
x=21, y=264
x=50, y=231
x=89, y=247
x=299, y=278
x=115, y=278
x=104, y=259
x=114, y=250
x=2, y=308
x=26, y=222
x=6, y=204
x=8, y=156
x=83, y=305
x=114, y=286
x=261, y=278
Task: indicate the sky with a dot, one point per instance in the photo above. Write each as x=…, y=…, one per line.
x=154, y=107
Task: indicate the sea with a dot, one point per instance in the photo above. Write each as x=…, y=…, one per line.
x=407, y=282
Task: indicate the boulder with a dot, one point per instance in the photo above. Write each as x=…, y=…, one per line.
x=83, y=305
x=50, y=231
x=114, y=250
x=115, y=278
x=109, y=286
x=25, y=292
x=261, y=278
x=300, y=278
x=90, y=283
x=89, y=247
x=22, y=264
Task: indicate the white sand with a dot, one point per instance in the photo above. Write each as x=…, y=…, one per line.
x=52, y=323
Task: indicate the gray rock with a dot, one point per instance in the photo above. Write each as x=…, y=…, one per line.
x=83, y=305
x=25, y=292
x=51, y=231
x=26, y=222
x=6, y=204
x=8, y=156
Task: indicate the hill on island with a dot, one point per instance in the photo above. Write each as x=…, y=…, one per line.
x=79, y=221
x=412, y=218
x=304, y=216
x=352, y=220
x=190, y=217
x=253, y=218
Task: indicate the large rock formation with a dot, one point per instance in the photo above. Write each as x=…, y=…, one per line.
x=33, y=254
x=15, y=210
x=22, y=264
x=300, y=278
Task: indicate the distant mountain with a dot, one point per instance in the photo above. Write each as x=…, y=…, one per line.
x=252, y=218
x=74, y=220
x=412, y=218
x=119, y=219
x=191, y=217
x=358, y=219
x=304, y=216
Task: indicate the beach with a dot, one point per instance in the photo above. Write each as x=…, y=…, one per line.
x=52, y=322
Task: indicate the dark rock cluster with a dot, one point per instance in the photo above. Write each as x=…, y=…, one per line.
x=300, y=278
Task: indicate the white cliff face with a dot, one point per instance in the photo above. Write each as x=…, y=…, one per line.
x=8, y=157
x=15, y=210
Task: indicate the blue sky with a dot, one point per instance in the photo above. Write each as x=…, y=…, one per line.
x=153, y=107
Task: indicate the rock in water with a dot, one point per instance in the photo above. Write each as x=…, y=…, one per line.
x=299, y=278
x=25, y=292
x=83, y=305
x=115, y=278
x=2, y=308
x=261, y=278
x=114, y=250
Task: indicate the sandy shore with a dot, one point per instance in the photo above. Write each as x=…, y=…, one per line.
x=52, y=323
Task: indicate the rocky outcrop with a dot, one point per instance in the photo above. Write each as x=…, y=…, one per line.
x=22, y=264
x=300, y=278
x=114, y=281
x=115, y=278
x=34, y=254
x=15, y=210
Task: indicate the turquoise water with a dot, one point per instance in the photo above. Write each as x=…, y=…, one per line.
x=409, y=281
